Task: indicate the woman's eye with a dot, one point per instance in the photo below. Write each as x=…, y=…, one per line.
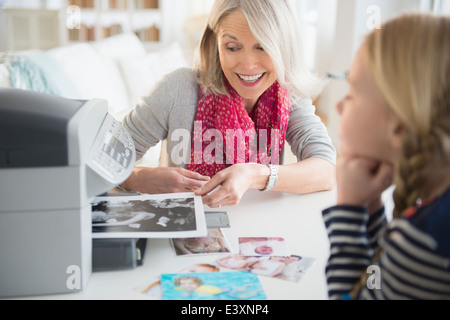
x=232, y=49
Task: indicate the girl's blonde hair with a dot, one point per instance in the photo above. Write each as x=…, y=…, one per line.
x=276, y=27
x=409, y=58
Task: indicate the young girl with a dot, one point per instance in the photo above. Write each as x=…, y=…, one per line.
x=395, y=123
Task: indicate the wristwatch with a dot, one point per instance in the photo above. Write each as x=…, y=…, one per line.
x=273, y=177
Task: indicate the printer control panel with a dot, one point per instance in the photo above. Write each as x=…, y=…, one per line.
x=113, y=150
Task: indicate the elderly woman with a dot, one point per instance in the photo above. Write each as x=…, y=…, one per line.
x=250, y=93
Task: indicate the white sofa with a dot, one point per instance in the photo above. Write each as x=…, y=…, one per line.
x=117, y=69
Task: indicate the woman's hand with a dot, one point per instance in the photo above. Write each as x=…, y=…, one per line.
x=164, y=180
x=231, y=184
x=361, y=181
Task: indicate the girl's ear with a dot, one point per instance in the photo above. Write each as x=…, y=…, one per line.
x=396, y=133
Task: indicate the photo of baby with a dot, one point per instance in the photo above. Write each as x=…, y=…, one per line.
x=214, y=242
x=153, y=288
x=267, y=246
x=290, y=268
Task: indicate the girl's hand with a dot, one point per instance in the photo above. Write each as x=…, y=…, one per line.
x=361, y=181
x=231, y=185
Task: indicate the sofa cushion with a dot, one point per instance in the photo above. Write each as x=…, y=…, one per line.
x=92, y=76
x=34, y=71
x=63, y=85
x=142, y=72
x=120, y=46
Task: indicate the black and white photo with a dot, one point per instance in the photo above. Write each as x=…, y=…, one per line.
x=148, y=216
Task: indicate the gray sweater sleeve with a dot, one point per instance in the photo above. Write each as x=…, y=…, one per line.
x=307, y=135
x=170, y=105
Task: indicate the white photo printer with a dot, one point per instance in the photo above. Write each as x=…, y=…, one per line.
x=56, y=155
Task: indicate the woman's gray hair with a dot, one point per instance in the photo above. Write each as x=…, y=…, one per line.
x=276, y=27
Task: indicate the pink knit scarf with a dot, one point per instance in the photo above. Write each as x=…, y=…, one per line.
x=226, y=134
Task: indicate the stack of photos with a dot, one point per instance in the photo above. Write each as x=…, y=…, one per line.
x=192, y=282
x=263, y=247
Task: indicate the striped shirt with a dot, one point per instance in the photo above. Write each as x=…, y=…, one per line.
x=415, y=252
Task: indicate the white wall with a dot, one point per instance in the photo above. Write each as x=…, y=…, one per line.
x=3, y=37
x=342, y=27
x=178, y=13
x=388, y=10
x=334, y=52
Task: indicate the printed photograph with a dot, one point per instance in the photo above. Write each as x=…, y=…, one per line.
x=152, y=288
x=267, y=247
x=148, y=216
x=290, y=268
x=212, y=286
x=215, y=242
x=295, y=267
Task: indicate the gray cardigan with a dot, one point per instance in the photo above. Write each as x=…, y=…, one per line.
x=171, y=107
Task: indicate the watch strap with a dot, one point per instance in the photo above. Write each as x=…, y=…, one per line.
x=273, y=177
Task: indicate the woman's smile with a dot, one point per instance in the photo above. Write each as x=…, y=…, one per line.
x=250, y=80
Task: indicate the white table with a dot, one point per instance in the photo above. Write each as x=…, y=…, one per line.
x=297, y=218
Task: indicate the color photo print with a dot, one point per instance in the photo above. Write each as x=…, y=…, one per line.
x=148, y=216
x=212, y=286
